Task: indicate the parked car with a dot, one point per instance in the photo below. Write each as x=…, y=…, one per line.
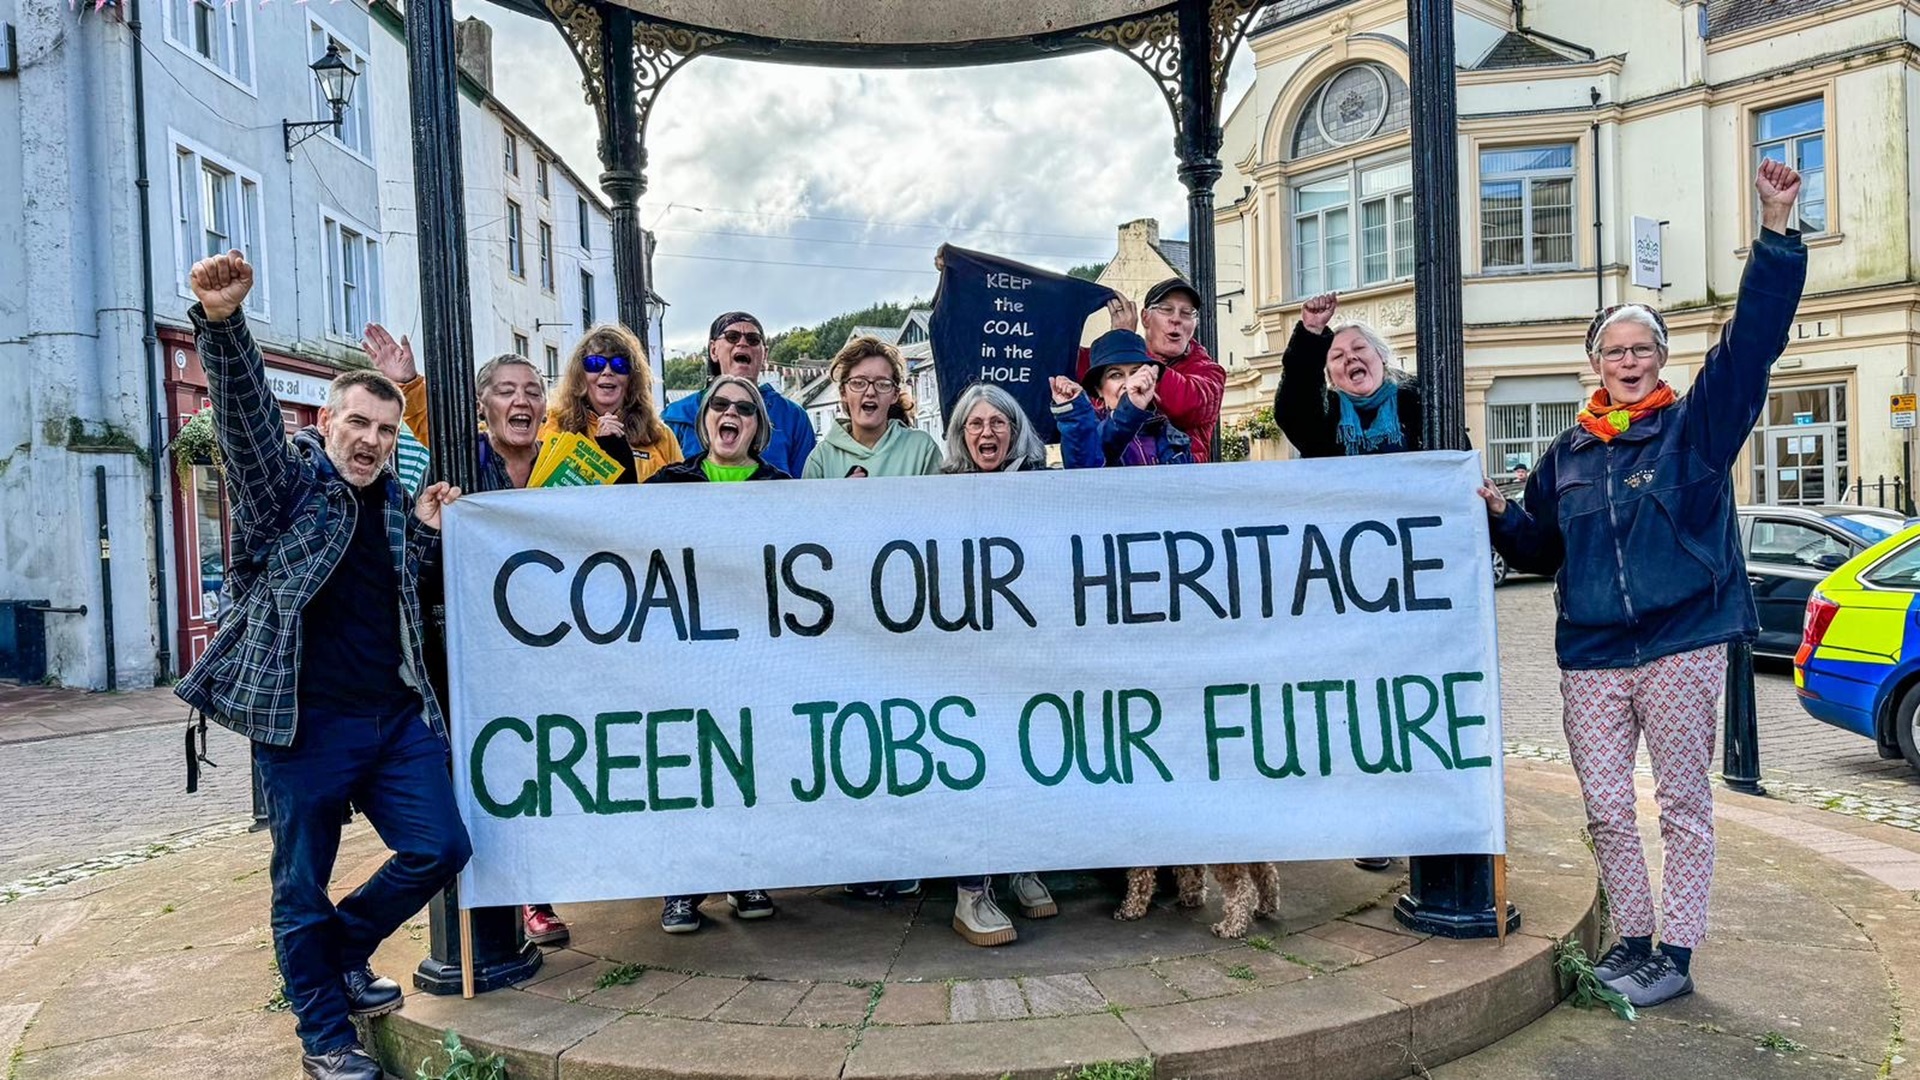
x=1790, y=549
x=1858, y=665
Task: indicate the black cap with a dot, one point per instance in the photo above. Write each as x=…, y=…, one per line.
x=1171, y=285
x=720, y=324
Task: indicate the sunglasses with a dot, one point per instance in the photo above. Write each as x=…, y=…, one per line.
x=735, y=337
x=596, y=364
x=737, y=406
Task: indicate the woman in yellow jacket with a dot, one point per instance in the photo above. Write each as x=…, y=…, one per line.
x=605, y=394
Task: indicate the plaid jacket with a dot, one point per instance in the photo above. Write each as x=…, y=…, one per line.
x=293, y=517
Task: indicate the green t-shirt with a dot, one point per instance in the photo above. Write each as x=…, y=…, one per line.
x=726, y=474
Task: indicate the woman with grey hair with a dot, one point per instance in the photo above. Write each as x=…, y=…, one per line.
x=988, y=432
x=1339, y=391
x=1632, y=510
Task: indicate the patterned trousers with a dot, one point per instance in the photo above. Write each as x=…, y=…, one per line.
x=1673, y=702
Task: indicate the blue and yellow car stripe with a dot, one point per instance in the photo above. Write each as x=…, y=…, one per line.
x=1863, y=657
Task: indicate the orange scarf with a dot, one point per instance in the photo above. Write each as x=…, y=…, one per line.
x=1604, y=421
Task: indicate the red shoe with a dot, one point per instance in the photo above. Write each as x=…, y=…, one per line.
x=543, y=926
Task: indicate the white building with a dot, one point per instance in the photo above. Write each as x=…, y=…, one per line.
x=191, y=114
x=1575, y=119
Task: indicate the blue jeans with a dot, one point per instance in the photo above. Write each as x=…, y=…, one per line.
x=394, y=768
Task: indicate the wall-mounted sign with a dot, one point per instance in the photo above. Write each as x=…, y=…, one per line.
x=1902, y=409
x=1648, y=270
x=296, y=388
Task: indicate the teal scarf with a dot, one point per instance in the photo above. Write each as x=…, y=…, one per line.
x=1383, y=434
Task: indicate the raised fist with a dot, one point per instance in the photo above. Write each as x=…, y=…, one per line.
x=1064, y=389
x=221, y=283
x=1778, y=186
x=1318, y=311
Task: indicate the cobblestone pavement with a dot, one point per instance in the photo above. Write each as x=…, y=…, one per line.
x=1801, y=758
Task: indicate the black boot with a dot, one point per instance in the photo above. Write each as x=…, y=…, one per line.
x=351, y=1063
x=369, y=995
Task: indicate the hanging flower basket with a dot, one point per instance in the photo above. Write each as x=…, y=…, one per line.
x=195, y=444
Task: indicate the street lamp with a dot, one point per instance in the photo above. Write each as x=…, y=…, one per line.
x=336, y=78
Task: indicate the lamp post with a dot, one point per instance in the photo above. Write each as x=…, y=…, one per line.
x=336, y=78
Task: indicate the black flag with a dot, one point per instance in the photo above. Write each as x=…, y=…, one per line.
x=1002, y=322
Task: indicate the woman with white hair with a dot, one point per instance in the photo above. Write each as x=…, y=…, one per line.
x=1339, y=391
x=1632, y=510
x=988, y=432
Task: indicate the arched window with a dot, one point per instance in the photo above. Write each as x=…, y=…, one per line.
x=1353, y=105
x=1353, y=220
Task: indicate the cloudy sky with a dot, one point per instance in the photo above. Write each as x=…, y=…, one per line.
x=800, y=193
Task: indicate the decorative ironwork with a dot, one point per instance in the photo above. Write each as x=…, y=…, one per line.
x=1154, y=44
x=581, y=24
x=1229, y=20
x=658, y=52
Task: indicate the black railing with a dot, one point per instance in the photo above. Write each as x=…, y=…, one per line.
x=1887, y=492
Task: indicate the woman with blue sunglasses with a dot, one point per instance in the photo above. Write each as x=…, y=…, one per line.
x=607, y=395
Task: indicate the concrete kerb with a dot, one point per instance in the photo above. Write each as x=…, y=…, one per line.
x=1352, y=997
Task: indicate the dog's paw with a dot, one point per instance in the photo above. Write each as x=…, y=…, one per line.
x=1223, y=930
x=1128, y=914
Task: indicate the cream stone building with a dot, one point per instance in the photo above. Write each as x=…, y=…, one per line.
x=1577, y=119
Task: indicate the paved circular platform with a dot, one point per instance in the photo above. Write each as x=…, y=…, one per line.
x=838, y=987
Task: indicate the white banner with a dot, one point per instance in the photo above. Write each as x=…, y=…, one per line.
x=1649, y=271
x=695, y=688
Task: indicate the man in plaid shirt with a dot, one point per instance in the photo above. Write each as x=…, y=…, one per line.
x=318, y=661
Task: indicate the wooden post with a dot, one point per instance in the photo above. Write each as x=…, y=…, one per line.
x=466, y=953
x=1500, y=895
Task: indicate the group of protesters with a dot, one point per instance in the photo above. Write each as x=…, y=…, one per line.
x=321, y=660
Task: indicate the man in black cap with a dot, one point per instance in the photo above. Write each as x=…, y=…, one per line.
x=736, y=345
x=1191, y=383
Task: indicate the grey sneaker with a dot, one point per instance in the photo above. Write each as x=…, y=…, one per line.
x=1652, y=981
x=978, y=919
x=1618, y=960
x=1031, y=894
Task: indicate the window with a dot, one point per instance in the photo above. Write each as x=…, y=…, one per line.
x=516, y=255
x=586, y=301
x=541, y=182
x=1796, y=135
x=1526, y=208
x=1367, y=207
x=513, y=155
x=218, y=34
x=1901, y=570
x=353, y=277
x=1524, y=415
x=520, y=345
x=1792, y=543
x=546, y=256
x=356, y=132
x=217, y=208
x=1800, y=452
x=553, y=363
x=1357, y=103
x=586, y=224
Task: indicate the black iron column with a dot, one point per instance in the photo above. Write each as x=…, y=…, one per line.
x=1740, y=755
x=625, y=158
x=1449, y=895
x=501, y=954
x=1197, y=142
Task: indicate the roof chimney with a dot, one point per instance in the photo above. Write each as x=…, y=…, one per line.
x=1146, y=229
x=473, y=51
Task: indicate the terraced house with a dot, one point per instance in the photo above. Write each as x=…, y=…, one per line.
x=1606, y=154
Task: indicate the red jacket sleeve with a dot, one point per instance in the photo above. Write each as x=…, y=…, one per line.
x=1190, y=391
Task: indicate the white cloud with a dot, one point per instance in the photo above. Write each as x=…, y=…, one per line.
x=1038, y=160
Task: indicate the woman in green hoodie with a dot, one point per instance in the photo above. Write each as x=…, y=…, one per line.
x=866, y=441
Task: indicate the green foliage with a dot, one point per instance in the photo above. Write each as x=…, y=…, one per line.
x=194, y=444
x=1089, y=272
x=278, y=1002
x=1571, y=961
x=1111, y=1070
x=687, y=372
x=620, y=976
x=1780, y=1044
x=822, y=341
x=1236, y=436
x=1240, y=971
x=462, y=1064
x=1261, y=942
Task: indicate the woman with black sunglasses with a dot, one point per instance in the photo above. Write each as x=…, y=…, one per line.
x=607, y=395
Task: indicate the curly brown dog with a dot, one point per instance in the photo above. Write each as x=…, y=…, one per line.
x=1248, y=891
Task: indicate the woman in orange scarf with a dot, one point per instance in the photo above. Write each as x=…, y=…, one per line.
x=1632, y=510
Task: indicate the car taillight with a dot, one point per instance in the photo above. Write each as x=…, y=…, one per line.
x=1820, y=613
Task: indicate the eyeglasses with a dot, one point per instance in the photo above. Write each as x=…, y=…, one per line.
x=860, y=384
x=1616, y=353
x=1172, y=312
x=737, y=406
x=735, y=337
x=596, y=364
x=995, y=424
